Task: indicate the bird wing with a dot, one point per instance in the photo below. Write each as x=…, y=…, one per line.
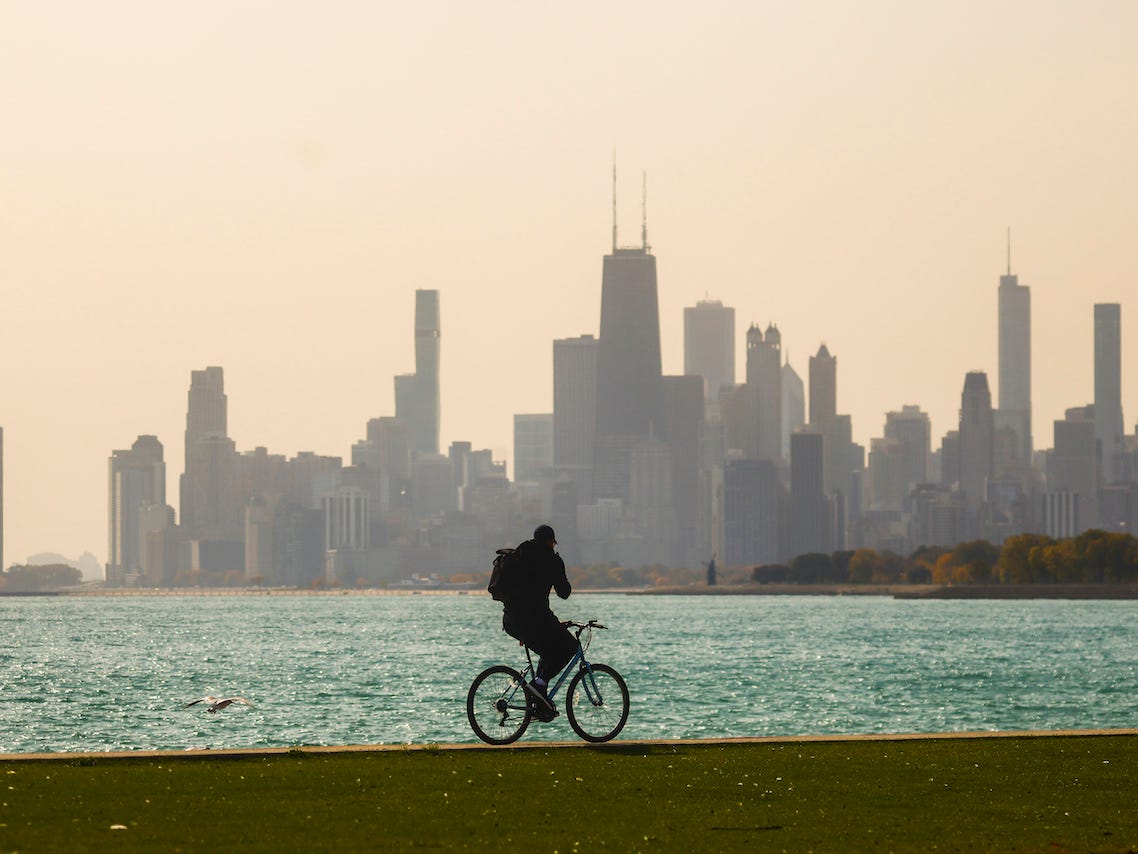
x=200, y=700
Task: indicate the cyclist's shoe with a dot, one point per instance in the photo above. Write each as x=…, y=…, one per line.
x=543, y=710
x=540, y=704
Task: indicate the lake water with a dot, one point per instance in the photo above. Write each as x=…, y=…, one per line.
x=113, y=673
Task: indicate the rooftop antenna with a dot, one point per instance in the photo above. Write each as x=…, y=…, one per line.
x=644, y=215
x=1009, y=250
x=614, y=201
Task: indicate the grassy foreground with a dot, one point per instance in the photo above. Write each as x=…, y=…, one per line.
x=1052, y=793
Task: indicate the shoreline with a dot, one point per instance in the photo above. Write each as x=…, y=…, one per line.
x=616, y=745
x=913, y=591
x=895, y=591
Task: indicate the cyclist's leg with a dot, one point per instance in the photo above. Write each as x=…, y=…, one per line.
x=554, y=643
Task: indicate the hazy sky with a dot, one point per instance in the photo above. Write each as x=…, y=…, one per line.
x=263, y=185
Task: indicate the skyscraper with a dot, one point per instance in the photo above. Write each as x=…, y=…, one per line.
x=899, y=461
x=977, y=438
x=809, y=511
x=574, y=400
x=1074, y=468
x=207, y=408
x=764, y=381
x=709, y=345
x=1015, y=361
x=137, y=480
x=793, y=405
x=208, y=467
x=1108, y=384
x=823, y=376
x=417, y=396
x=628, y=363
x=751, y=512
x=533, y=445
x=682, y=406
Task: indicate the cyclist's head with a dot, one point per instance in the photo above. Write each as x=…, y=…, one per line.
x=544, y=534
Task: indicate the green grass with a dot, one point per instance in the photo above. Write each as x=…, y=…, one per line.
x=1054, y=793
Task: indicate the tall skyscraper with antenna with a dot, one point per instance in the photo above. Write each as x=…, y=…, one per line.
x=1014, y=409
x=628, y=359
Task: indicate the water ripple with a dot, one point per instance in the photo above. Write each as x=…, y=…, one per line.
x=114, y=674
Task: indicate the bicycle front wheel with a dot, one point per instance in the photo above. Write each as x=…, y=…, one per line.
x=496, y=705
x=597, y=703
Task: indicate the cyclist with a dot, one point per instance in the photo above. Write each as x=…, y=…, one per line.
x=527, y=615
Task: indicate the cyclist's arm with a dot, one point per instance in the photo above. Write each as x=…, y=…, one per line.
x=560, y=580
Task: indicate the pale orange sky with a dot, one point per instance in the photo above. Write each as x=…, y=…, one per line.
x=263, y=185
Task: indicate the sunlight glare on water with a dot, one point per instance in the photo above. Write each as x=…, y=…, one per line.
x=113, y=673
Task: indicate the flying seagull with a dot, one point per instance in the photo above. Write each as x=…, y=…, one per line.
x=216, y=704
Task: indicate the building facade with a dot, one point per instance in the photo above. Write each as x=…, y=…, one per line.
x=1015, y=363
x=1108, y=384
x=417, y=395
x=709, y=345
x=574, y=400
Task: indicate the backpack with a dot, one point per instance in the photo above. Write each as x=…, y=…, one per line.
x=504, y=575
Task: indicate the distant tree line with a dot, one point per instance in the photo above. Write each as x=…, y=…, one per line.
x=19, y=578
x=1093, y=557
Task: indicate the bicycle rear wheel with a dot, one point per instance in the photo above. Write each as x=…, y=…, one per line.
x=597, y=703
x=497, y=706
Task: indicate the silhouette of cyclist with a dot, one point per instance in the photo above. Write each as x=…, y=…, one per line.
x=527, y=615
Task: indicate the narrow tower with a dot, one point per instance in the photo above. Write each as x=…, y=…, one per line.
x=1108, y=384
x=1015, y=360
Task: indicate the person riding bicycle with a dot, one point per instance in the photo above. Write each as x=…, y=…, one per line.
x=528, y=617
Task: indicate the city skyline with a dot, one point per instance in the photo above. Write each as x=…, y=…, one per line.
x=249, y=214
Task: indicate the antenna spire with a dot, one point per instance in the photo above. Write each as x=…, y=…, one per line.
x=1009, y=250
x=644, y=215
x=614, y=201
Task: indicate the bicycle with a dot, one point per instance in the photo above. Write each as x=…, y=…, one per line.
x=596, y=702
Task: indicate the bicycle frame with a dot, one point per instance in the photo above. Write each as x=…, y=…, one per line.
x=578, y=659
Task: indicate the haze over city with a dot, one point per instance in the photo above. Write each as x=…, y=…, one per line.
x=263, y=187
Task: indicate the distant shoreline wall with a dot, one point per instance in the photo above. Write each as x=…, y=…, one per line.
x=896, y=591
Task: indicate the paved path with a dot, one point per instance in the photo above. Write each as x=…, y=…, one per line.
x=541, y=745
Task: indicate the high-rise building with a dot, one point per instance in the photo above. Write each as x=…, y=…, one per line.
x=709, y=345
x=810, y=523
x=207, y=408
x=912, y=430
x=1075, y=467
x=574, y=400
x=533, y=445
x=417, y=396
x=208, y=492
x=977, y=439
x=1015, y=362
x=682, y=407
x=137, y=481
x=950, y=460
x=793, y=405
x=1108, y=384
x=823, y=376
x=764, y=382
x=628, y=363
x=750, y=508
x=433, y=489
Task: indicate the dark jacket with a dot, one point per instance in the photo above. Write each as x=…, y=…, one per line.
x=543, y=570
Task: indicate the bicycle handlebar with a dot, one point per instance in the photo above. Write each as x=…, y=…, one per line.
x=573, y=624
